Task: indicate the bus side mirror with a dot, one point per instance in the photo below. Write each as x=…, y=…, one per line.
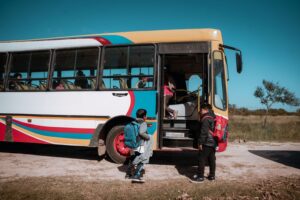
x=239, y=62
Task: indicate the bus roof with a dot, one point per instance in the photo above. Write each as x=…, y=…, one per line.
x=137, y=37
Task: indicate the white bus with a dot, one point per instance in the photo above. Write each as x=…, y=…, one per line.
x=82, y=90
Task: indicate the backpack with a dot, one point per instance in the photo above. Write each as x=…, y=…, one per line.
x=217, y=133
x=131, y=132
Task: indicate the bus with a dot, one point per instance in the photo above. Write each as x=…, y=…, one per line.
x=83, y=90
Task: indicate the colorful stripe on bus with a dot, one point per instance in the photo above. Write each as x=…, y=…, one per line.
x=50, y=135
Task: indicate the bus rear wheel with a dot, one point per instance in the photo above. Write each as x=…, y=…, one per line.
x=115, y=146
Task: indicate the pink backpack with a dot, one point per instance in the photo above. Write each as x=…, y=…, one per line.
x=219, y=133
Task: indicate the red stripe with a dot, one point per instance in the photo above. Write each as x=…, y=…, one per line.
x=103, y=41
x=21, y=137
x=2, y=131
x=132, y=102
x=57, y=129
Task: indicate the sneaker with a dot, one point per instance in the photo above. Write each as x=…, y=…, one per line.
x=197, y=179
x=128, y=176
x=211, y=178
x=137, y=179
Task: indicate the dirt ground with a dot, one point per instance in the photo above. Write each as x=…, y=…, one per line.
x=242, y=163
x=250, y=160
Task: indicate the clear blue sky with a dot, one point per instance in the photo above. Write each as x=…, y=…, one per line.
x=267, y=31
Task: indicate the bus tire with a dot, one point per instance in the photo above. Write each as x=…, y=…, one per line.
x=115, y=146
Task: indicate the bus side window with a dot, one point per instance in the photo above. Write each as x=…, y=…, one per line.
x=129, y=67
x=3, y=57
x=29, y=70
x=115, y=71
x=75, y=69
x=141, y=65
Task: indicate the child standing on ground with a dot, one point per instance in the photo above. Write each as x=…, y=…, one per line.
x=141, y=155
x=206, y=144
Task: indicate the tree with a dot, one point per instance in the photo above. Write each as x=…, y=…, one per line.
x=273, y=93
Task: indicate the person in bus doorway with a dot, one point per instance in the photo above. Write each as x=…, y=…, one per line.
x=206, y=144
x=169, y=90
x=141, y=155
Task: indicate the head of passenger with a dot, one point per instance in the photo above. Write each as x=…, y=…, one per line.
x=144, y=79
x=80, y=73
x=205, y=108
x=141, y=113
x=18, y=76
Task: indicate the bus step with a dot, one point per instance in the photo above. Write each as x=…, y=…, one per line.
x=177, y=142
x=174, y=123
x=176, y=129
x=176, y=132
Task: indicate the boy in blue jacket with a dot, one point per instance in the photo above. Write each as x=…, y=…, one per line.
x=141, y=155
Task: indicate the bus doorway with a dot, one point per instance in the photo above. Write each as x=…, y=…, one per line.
x=184, y=81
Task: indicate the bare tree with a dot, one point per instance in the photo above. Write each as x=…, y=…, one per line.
x=273, y=93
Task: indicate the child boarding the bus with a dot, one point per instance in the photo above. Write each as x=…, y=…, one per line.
x=137, y=138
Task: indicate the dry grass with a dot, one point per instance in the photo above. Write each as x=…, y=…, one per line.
x=72, y=188
x=279, y=128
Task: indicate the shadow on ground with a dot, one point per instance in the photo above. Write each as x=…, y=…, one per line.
x=288, y=158
x=184, y=161
x=50, y=150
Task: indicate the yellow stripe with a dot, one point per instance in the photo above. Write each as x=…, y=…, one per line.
x=53, y=140
x=151, y=120
x=155, y=146
x=184, y=35
x=156, y=36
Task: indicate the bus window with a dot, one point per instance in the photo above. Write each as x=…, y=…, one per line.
x=75, y=69
x=39, y=69
x=2, y=69
x=193, y=83
x=115, y=68
x=128, y=67
x=220, y=100
x=29, y=71
x=141, y=65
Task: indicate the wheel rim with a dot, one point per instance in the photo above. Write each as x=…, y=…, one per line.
x=120, y=146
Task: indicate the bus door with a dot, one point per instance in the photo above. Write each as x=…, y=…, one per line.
x=183, y=66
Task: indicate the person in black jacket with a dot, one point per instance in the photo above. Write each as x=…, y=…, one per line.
x=206, y=144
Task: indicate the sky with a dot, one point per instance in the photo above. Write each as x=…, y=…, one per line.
x=267, y=31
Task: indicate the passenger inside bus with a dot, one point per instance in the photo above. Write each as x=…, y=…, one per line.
x=59, y=85
x=142, y=82
x=81, y=80
x=16, y=83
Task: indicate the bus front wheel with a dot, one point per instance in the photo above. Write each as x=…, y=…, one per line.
x=115, y=146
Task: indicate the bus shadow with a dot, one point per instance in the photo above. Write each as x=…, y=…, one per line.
x=86, y=153
x=288, y=158
x=185, y=161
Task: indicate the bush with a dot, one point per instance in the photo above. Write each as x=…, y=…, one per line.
x=278, y=129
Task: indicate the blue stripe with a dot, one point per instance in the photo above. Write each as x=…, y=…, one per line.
x=116, y=39
x=146, y=100
x=56, y=134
